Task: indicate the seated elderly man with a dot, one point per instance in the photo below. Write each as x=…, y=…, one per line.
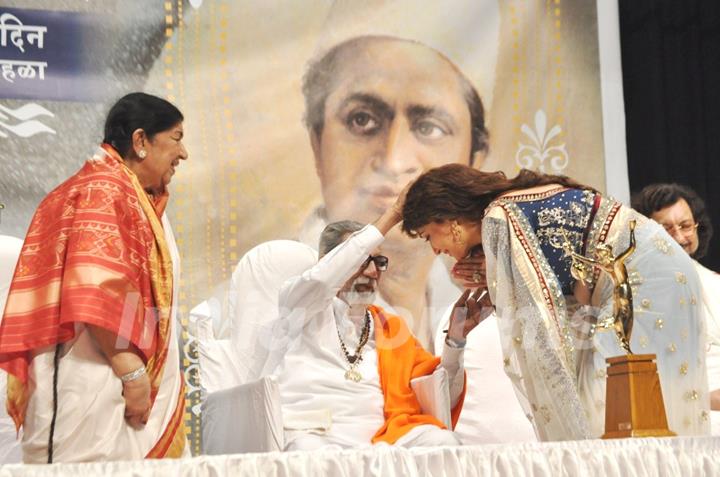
x=345, y=380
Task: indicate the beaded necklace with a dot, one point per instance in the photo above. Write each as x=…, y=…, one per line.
x=354, y=360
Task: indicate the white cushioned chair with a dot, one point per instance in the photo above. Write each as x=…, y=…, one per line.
x=232, y=327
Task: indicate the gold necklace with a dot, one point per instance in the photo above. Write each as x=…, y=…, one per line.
x=354, y=360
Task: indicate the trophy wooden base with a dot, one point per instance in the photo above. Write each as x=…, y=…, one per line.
x=634, y=404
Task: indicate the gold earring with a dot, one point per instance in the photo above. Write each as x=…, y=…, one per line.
x=457, y=234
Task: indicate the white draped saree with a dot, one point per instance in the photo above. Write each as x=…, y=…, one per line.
x=90, y=419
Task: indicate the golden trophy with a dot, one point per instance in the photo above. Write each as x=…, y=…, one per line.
x=634, y=404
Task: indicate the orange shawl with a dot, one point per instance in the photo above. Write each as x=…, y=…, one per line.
x=402, y=358
x=95, y=253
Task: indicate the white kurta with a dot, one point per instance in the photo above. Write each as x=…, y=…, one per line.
x=90, y=423
x=440, y=291
x=316, y=397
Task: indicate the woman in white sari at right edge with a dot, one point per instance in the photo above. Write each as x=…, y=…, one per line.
x=552, y=355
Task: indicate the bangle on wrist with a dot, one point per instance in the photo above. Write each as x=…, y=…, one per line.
x=133, y=375
x=453, y=343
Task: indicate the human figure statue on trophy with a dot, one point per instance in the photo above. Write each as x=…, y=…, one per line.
x=582, y=268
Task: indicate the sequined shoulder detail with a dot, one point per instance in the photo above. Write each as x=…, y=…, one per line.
x=536, y=195
x=556, y=218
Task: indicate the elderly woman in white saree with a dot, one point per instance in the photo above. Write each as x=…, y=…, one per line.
x=551, y=349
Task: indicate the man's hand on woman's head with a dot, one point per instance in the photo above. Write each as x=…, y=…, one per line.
x=400, y=201
x=393, y=215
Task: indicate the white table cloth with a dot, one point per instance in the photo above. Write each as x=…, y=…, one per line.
x=684, y=456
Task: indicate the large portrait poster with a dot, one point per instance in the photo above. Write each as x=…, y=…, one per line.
x=300, y=112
